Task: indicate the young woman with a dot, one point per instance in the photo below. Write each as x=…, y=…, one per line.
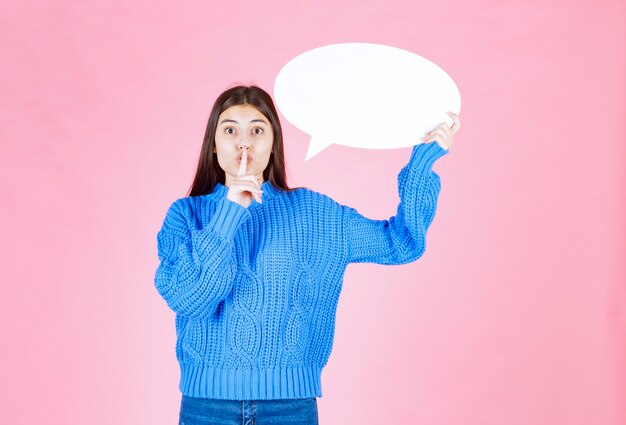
x=254, y=269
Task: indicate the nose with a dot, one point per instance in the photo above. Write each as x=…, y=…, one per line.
x=244, y=144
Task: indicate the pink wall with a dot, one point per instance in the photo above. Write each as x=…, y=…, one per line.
x=516, y=314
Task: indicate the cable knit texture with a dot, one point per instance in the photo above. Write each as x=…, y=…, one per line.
x=255, y=289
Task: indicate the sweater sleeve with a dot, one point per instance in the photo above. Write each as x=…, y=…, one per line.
x=402, y=238
x=197, y=266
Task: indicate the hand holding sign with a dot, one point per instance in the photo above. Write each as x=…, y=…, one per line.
x=444, y=134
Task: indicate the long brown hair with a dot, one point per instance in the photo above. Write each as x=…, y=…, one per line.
x=209, y=171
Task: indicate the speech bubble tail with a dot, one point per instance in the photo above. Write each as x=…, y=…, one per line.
x=316, y=145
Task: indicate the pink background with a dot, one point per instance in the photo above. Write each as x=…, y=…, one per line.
x=515, y=315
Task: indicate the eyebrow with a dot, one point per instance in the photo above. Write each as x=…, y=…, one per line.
x=236, y=122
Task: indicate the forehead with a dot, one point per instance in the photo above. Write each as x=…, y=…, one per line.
x=242, y=113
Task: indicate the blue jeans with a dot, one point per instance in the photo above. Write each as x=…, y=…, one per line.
x=206, y=411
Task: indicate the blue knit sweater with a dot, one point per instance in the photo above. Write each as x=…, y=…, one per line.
x=255, y=289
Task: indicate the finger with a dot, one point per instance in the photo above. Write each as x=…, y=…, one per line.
x=245, y=185
x=251, y=178
x=440, y=136
x=443, y=143
x=447, y=128
x=442, y=130
x=456, y=125
x=256, y=193
x=241, y=186
x=244, y=161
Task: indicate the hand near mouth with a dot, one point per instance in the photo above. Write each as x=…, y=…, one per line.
x=245, y=186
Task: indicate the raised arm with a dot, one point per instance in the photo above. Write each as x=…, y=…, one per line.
x=197, y=266
x=402, y=238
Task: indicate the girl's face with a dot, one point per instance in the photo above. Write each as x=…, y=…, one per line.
x=240, y=127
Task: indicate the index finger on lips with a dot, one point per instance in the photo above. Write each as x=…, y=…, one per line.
x=244, y=160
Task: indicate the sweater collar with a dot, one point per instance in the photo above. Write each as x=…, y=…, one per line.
x=269, y=191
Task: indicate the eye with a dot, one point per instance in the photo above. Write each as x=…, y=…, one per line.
x=229, y=130
x=257, y=130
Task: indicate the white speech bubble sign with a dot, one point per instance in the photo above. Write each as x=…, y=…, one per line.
x=364, y=95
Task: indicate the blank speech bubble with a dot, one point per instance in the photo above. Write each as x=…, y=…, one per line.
x=364, y=95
